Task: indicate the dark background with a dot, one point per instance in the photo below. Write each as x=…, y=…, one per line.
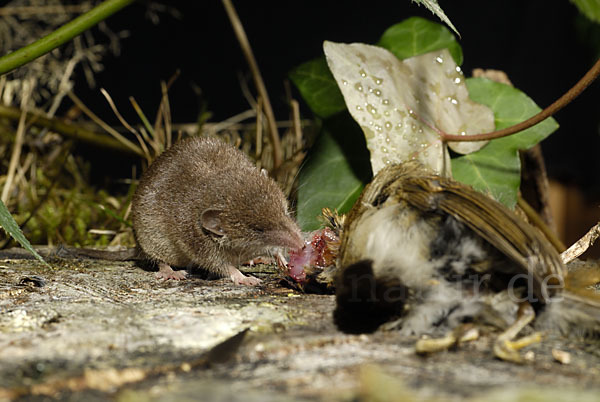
x=544, y=47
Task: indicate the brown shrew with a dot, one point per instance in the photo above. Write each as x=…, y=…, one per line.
x=203, y=203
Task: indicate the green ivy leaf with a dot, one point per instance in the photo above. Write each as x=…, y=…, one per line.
x=335, y=173
x=318, y=88
x=415, y=36
x=496, y=169
x=10, y=226
x=589, y=8
x=434, y=7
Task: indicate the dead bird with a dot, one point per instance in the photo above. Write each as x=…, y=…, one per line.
x=432, y=253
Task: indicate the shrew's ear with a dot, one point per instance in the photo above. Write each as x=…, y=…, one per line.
x=210, y=220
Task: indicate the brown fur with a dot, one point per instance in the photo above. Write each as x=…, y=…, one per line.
x=203, y=174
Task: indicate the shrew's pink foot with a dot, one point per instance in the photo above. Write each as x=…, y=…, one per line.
x=240, y=279
x=166, y=272
x=259, y=260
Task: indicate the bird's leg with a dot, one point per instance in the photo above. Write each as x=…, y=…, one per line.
x=504, y=346
x=462, y=333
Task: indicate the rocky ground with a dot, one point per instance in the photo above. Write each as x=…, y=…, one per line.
x=97, y=330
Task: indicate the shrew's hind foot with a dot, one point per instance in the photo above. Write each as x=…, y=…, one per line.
x=165, y=272
x=240, y=279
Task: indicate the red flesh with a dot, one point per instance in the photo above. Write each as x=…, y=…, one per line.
x=316, y=252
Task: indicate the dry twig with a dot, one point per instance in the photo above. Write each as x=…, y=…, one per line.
x=581, y=245
x=105, y=126
x=16, y=154
x=258, y=81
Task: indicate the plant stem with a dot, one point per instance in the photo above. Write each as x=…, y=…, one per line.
x=69, y=130
x=564, y=100
x=63, y=34
x=258, y=81
x=581, y=245
x=16, y=154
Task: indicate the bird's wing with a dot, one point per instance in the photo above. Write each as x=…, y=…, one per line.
x=494, y=222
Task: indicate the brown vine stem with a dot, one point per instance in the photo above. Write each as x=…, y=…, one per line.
x=564, y=100
x=258, y=81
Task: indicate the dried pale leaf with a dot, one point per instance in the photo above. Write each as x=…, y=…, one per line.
x=434, y=7
x=443, y=99
x=375, y=87
x=400, y=104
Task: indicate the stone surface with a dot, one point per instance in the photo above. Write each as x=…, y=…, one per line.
x=99, y=330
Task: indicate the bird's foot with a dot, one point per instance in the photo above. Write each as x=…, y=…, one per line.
x=509, y=350
x=504, y=346
x=460, y=334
